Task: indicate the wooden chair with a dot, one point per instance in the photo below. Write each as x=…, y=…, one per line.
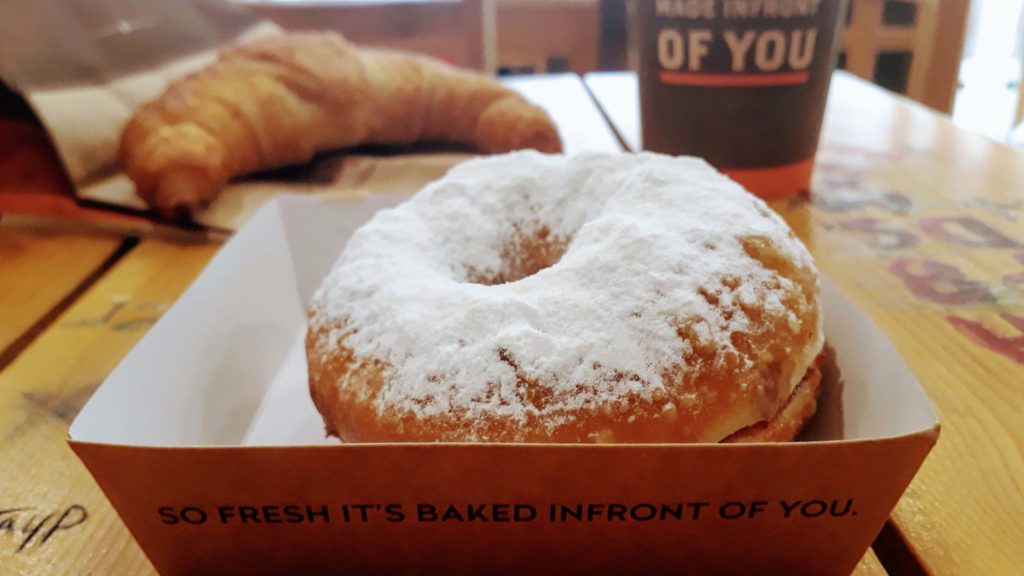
x=459, y=31
x=548, y=35
x=933, y=39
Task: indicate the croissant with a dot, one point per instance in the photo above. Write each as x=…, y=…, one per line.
x=280, y=100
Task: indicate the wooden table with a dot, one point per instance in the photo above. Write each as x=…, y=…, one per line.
x=919, y=221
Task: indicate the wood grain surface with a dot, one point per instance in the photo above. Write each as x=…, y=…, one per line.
x=923, y=226
x=53, y=517
x=923, y=223
x=869, y=566
x=38, y=269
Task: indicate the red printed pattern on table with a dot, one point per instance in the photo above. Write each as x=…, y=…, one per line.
x=895, y=224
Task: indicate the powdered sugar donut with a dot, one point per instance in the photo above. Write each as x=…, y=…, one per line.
x=597, y=298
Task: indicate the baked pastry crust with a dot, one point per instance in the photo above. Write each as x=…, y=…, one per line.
x=278, y=101
x=358, y=421
x=790, y=420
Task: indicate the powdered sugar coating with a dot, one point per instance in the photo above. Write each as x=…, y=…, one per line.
x=645, y=235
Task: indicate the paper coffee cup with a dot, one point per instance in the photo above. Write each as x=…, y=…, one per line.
x=741, y=83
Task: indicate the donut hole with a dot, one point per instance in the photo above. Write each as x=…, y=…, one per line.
x=524, y=255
